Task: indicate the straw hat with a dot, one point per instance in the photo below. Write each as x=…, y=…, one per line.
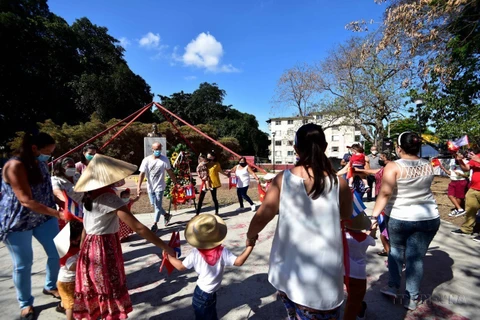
x=269, y=176
x=103, y=171
x=360, y=222
x=205, y=231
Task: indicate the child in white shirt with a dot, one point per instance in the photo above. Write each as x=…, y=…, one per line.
x=208, y=257
x=358, y=242
x=66, y=274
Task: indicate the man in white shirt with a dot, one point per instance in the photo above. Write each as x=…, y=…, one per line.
x=153, y=167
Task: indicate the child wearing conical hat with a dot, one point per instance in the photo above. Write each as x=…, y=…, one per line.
x=100, y=288
x=205, y=233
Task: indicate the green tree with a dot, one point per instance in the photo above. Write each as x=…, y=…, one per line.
x=61, y=72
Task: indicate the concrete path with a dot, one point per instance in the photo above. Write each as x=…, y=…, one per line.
x=451, y=280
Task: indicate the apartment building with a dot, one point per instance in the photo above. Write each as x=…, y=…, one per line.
x=282, y=134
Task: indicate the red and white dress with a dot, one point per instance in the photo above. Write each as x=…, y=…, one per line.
x=100, y=289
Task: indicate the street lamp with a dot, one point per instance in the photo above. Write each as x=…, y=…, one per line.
x=273, y=151
x=420, y=103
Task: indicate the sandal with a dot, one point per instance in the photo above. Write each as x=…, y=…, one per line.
x=59, y=308
x=50, y=293
x=28, y=316
x=383, y=253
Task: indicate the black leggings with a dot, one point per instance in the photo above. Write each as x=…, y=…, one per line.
x=202, y=196
x=242, y=194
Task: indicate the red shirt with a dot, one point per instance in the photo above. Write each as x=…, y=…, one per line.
x=358, y=160
x=475, y=180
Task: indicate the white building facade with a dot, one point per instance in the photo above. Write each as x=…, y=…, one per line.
x=282, y=135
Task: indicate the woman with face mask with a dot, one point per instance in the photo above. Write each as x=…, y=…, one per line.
x=64, y=178
x=27, y=209
x=243, y=172
x=89, y=151
x=214, y=171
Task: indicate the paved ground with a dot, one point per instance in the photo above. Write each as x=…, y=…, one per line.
x=451, y=281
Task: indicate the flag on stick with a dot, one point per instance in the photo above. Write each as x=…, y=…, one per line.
x=456, y=144
x=72, y=210
x=175, y=244
x=358, y=205
x=435, y=162
x=261, y=193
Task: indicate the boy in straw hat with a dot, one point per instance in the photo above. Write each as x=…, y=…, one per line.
x=358, y=242
x=100, y=289
x=205, y=233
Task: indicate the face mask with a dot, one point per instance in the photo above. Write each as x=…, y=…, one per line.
x=89, y=157
x=374, y=152
x=126, y=200
x=43, y=157
x=243, y=164
x=157, y=153
x=70, y=172
x=381, y=163
x=350, y=152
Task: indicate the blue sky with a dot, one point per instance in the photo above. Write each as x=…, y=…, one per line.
x=243, y=46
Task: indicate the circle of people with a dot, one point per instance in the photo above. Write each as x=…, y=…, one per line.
x=312, y=201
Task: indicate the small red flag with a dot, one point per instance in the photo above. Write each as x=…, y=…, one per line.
x=435, y=162
x=261, y=193
x=175, y=244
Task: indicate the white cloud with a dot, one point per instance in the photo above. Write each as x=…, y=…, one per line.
x=205, y=52
x=150, y=41
x=190, y=78
x=124, y=42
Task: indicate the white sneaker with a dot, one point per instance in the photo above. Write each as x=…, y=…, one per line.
x=254, y=207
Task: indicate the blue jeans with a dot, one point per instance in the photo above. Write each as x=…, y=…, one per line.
x=409, y=240
x=242, y=194
x=204, y=304
x=19, y=244
x=156, y=199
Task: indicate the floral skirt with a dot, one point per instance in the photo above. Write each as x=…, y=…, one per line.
x=101, y=289
x=124, y=231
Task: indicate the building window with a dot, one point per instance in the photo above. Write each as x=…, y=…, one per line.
x=278, y=143
x=334, y=149
x=278, y=123
x=278, y=153
x=335, y=138
x=289, y=121
x=357, y=138
x=290, y=142
x=289, y=153
x=290, y=132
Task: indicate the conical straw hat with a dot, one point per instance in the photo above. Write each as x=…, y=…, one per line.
x=103, y=171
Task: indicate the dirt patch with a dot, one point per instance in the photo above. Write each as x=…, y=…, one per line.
x=227, y=197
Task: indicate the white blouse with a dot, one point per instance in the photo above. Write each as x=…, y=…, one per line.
x=102, y=219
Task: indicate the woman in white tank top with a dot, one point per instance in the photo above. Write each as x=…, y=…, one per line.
x=306, y=260
x=243, y=172
x=412, y=216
